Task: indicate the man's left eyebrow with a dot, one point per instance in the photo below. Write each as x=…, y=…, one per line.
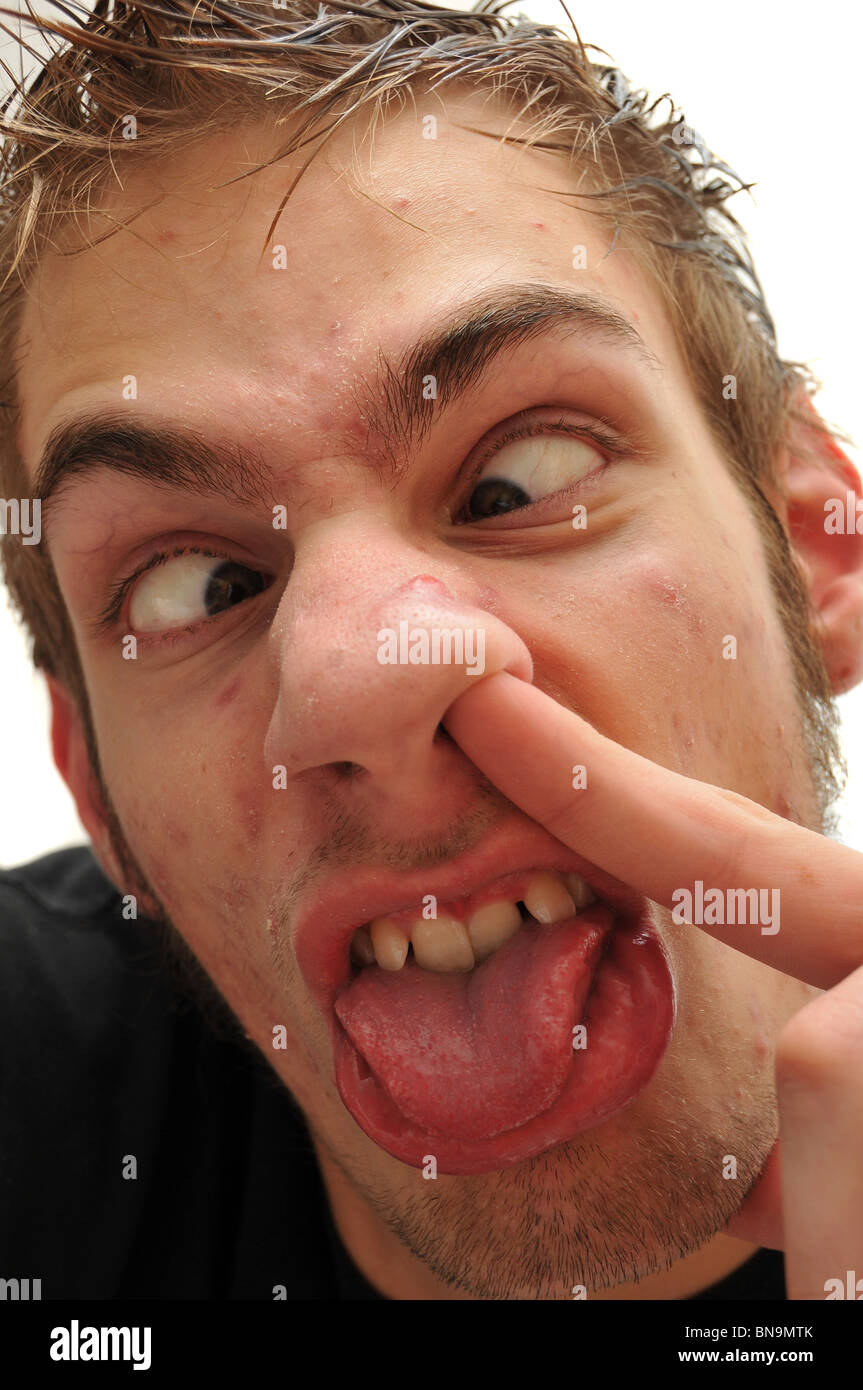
x=459, y=352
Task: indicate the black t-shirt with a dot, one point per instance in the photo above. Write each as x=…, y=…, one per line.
x=110, y=1063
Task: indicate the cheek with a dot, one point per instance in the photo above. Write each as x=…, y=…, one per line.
x=191, y=790
x=724, y=674
x=674, y=649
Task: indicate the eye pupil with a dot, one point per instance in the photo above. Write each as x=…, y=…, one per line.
x=493, y=496
x=230, y=583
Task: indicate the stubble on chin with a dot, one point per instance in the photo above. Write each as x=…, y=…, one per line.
x=589, y=1213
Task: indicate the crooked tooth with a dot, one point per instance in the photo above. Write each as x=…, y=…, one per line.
x=362, y=950
x=580, y=891
x=548, y=899
x=491, y=926
x=442, y=944
x=390, y=943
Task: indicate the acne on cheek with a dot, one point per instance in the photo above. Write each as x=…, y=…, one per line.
x=676, y=598
x=228, y=694
x=685, y=625
x=709, y=615
x=694, y=620
x=762, y=1042
x=178, y=836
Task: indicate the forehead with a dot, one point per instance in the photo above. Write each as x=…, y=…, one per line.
x=220, y=316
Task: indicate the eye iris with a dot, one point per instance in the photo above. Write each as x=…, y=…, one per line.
x=493, y=496
x=230, y=583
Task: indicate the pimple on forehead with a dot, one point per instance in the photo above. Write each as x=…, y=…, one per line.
x=347, y=424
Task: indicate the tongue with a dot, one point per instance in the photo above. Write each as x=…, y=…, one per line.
x=472, y=1056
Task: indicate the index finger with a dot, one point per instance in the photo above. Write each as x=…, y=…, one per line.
x=663, y=833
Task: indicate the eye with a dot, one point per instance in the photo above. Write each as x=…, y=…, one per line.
x=180, y=590
x=535, y=464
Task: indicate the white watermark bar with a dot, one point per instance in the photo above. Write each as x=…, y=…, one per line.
x=717, y=907
x=437, y=646
x=21, y=516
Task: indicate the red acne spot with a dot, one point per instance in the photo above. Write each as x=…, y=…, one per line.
x=786, y=807
x=672, y=594
x=668, y=591
x=253, y=820
x=402, y=201
x=229, y=694
x=539, y=226
x=488, y=598
x=234, y=894
x=424, y=581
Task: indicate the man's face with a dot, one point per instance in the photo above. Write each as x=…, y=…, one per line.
x=625, y=620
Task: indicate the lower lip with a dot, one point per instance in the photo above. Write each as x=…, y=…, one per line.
x=629, y=1019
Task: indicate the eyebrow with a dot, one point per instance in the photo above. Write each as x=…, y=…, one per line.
x=457, y=352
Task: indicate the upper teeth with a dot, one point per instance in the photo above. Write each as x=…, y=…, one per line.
x=446, y=943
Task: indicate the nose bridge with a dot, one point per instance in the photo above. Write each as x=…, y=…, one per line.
x=373, y=641
x=347, y=585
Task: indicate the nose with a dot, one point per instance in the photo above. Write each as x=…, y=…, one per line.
x=370, y=653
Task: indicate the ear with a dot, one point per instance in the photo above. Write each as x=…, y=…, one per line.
x=819, y=494
x=72, y=759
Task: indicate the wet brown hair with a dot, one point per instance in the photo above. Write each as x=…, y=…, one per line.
x=187, y=71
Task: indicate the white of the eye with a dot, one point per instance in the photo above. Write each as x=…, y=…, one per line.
x=172, y=594
x=542, y=464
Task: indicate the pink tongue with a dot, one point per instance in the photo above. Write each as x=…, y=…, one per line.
x=472, y=1056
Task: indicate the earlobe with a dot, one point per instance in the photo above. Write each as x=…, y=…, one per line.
x=820, y=497
x=72, y=759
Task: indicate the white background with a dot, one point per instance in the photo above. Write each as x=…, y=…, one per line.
x=772, y=89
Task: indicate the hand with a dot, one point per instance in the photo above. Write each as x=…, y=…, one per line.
x=656, y=831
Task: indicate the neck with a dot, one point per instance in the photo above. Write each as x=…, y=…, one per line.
x=397, y=1273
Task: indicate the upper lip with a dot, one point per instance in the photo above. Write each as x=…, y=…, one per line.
x=355, y=896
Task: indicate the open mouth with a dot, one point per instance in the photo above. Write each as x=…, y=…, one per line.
x=504, y=1024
